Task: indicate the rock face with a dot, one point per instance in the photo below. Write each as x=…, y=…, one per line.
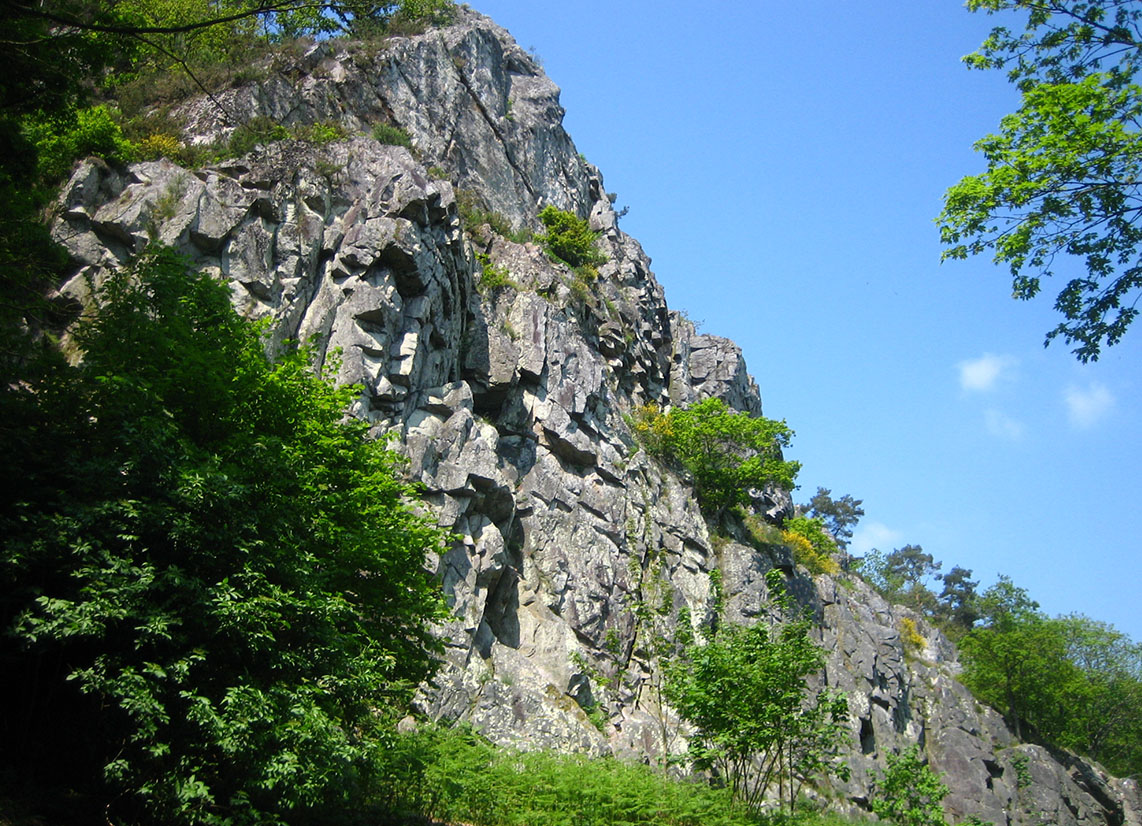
x=576, y=552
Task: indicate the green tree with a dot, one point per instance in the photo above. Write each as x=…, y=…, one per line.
x=839, y=515
x=728, y=454
x=957, y=601
x=1070, y=681
x=1014, y=659
x=569, y=238
x=212, y=594
x=1105, y=702
x=900, y=576
x=908, y=792
x=746, y=694
x=1061, y=192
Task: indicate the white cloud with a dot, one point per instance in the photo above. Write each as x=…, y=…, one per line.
x=983, y=373
x=874, y=535
x=1086, y=408
x=1001, y=425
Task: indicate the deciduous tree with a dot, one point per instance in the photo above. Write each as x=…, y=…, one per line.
x=1062, y=191
x=727, y=453
x=746, y=693
x=909, y=793
x=212, y=590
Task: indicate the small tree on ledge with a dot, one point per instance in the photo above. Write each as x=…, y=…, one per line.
x=728, y=454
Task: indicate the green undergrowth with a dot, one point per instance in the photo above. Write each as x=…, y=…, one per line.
x=493, y=276
x=391, y=135
x=476, y=216
x=455, y=776
x=106, y=133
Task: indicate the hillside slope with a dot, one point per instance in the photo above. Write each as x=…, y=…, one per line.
x=575, y=551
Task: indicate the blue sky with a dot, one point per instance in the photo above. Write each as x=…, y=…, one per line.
x=783, y=164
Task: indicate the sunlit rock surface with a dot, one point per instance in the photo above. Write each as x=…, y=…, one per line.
x=575, y=552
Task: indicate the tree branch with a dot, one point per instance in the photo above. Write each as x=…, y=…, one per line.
x=262, y=7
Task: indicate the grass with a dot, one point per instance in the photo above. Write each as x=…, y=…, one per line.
x=391, y=135
x=474, y=216
x=493, y=276
x=455, y=776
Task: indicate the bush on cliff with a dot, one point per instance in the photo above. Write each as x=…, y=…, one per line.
x=745, y=692
x=728, y=454
x=569, y=238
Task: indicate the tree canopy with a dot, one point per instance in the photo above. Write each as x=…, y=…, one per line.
x=900, y=576
x=212, y=592
x=1069, y=680
x=1062, y=191
x=839, y=515
x=746, y=693
x=728, y=454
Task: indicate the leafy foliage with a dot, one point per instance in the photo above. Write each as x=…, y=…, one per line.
x=838, y=515
x=727, y=453
x=909, y=793
x=210, y=581
x=569, y=238
x=1070, y=680
x=1064, y=172
x=1008, y=657
x=900, y=576
x=745, y=693
x=93, y=132
x=812, y=546
x=454, y=776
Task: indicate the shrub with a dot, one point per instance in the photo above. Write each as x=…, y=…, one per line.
x=391, y=135
x=159, y=145
x=910, y=635
x=760, y=531
x=492, y=276
x=746, y=695
x=909, y=793
x=728, y=454
x=211, y=580
x=92, y=131
x=320, y=133
x=569, y=238
x=811, y=544
x=474, y=215
x=257, y=130
x=653, y=428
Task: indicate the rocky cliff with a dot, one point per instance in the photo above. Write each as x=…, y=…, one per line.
x=575, y=551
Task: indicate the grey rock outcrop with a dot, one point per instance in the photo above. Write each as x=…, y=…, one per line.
x=576, y=553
